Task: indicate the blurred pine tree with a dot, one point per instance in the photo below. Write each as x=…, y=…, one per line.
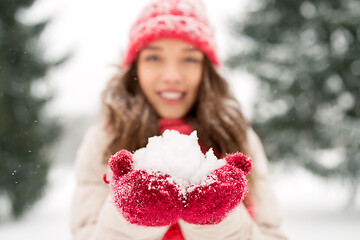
x=306, y=56
x=25, y=131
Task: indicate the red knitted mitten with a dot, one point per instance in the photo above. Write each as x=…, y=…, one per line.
x=210, y=201
x=147, y=199
x=173, y=180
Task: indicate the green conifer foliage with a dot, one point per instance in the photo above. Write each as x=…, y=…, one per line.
x=25, y=133
x=306, y=56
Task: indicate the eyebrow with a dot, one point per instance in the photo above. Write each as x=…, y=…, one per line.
x=152, y=48
x=191, y=49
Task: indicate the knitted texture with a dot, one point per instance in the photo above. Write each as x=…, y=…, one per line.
x=213, y=199
x=173, y=233
x=155, y=199
x=147, y=199
x=175, y=19
x=180, y=125
x=240, y=161
x=121, y=163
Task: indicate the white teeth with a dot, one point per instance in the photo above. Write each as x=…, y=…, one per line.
x=171, y=95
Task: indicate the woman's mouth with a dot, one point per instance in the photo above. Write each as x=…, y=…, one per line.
x=172, y=96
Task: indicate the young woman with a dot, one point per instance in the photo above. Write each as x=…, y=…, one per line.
x=169, y=80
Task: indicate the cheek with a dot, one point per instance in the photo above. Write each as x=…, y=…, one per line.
x=141, y=73
x=143, y=84
x=194, y=83
x=145, y=80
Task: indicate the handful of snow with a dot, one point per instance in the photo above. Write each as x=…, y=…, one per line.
x=179, y=156
x=170, y=179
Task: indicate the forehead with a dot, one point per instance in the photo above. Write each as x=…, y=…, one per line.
x=171, y=44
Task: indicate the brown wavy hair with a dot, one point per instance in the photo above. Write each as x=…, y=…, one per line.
x=216, y=115
x=131, y=120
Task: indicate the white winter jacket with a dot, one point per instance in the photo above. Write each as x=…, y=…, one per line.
x=94, y=216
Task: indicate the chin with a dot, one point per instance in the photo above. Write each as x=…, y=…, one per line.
x=172, y=116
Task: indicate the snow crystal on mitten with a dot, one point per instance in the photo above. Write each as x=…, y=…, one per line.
x=212, y=199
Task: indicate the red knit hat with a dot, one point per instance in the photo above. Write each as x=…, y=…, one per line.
x=176, y=19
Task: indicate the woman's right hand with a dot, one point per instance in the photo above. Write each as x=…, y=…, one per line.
x=146, y=199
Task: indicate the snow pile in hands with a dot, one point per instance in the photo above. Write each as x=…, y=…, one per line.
x=179, y=156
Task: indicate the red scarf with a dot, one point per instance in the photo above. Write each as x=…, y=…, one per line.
x=174, y=232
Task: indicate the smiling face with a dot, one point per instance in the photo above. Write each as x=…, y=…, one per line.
x=170, y=73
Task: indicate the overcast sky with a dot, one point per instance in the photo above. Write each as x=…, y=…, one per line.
x=96, y=32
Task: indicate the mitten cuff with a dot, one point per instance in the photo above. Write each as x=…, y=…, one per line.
x=237, y=225
x=114, y=226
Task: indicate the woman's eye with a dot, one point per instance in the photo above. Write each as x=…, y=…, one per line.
x=194, y=60
x=152, y=58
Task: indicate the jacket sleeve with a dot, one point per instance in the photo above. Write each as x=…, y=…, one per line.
x=239, y=225
x=93, y=214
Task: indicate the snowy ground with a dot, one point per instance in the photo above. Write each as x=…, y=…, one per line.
x=312, y=209
x=49, y=218
x=315, y=209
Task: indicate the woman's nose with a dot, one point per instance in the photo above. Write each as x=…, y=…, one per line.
x=171, y=73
